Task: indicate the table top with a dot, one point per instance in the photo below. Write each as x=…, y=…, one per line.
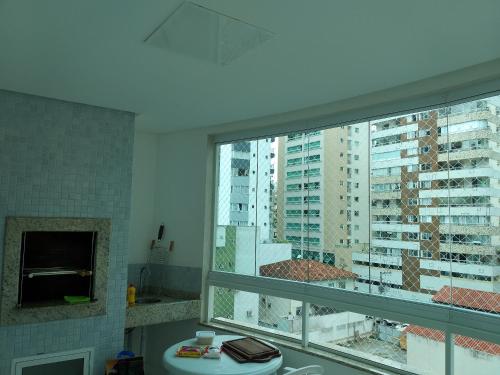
x=223, y=366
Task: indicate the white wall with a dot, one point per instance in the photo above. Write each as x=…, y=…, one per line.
x=182, y=176
x=467, y=361
x=338, y=327
x=143, y=227
x=182, y=165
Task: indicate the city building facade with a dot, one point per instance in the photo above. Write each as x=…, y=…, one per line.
x=322, y=193
x=434, y=200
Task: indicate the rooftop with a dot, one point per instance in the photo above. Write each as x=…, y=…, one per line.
x=463, y=341
x=304, y=270
x=468, y=298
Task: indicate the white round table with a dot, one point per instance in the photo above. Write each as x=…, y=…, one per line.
x=223, y=366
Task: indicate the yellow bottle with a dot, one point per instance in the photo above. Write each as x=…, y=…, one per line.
x=131, y=295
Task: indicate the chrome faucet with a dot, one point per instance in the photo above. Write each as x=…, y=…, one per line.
x=142, y=277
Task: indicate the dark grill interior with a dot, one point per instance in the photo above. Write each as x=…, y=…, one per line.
x=54, y=265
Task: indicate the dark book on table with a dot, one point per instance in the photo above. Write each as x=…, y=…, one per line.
x=249, y=349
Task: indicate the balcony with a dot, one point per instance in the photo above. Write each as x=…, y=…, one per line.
x=396, y=244
x=388, y=276
x=436, y=283
x=469, y=248
x=385, y=179
x=240, y=155
x=294, y=137
x=459, y=192
x=397, y=145
x=376, y=258
x=471, y=269
x=392, y=219
x=460, y=173
x=462, y=210
x=469, y=229
x=392, y=131
x=395, y=227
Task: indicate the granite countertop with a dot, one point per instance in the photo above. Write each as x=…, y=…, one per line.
x=173, y=306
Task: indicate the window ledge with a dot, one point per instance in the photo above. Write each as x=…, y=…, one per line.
x=324, y=354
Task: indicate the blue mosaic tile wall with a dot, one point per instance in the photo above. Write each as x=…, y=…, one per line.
x=64, y=159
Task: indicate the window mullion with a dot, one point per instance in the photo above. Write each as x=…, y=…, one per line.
x=256, y=205
x=305, y=324
x=449, y=352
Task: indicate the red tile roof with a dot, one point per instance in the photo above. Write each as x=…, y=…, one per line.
x=468, y=298
x=463, y=341
x=304, y=270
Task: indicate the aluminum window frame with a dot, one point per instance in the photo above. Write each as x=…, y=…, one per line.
x=450, y=319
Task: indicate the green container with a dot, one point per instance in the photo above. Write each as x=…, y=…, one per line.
x=76, y=299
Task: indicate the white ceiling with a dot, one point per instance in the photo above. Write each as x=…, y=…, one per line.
x=92, y=52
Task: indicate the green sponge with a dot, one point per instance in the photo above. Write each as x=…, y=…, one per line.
x=76, y=299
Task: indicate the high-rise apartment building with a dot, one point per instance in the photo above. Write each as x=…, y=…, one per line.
x=244, y=216
x=245, y=168
x=322, y=193
x=434, y=203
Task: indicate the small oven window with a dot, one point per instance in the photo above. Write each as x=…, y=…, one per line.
x=56, y=267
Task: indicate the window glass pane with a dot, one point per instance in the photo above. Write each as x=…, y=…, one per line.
x=404, y=231
x=381, y=340
x=239, y=230
x=424, y=199
x=253, y=310
x=473, y=356
x=469, y=231
x=469, y=215
x=405, y=207
x=334, y=199
x=425, y=349
x=68, y=367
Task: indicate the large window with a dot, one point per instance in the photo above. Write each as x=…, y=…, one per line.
x=387, y=256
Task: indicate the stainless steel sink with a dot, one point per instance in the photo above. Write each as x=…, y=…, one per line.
x=146, y=300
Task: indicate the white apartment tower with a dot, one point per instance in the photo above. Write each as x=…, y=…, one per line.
x=244, y=185
x=322, y=193
x=435, y=203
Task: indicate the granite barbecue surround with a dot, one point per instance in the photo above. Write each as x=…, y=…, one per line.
x=67, y=160
x=15, y=311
